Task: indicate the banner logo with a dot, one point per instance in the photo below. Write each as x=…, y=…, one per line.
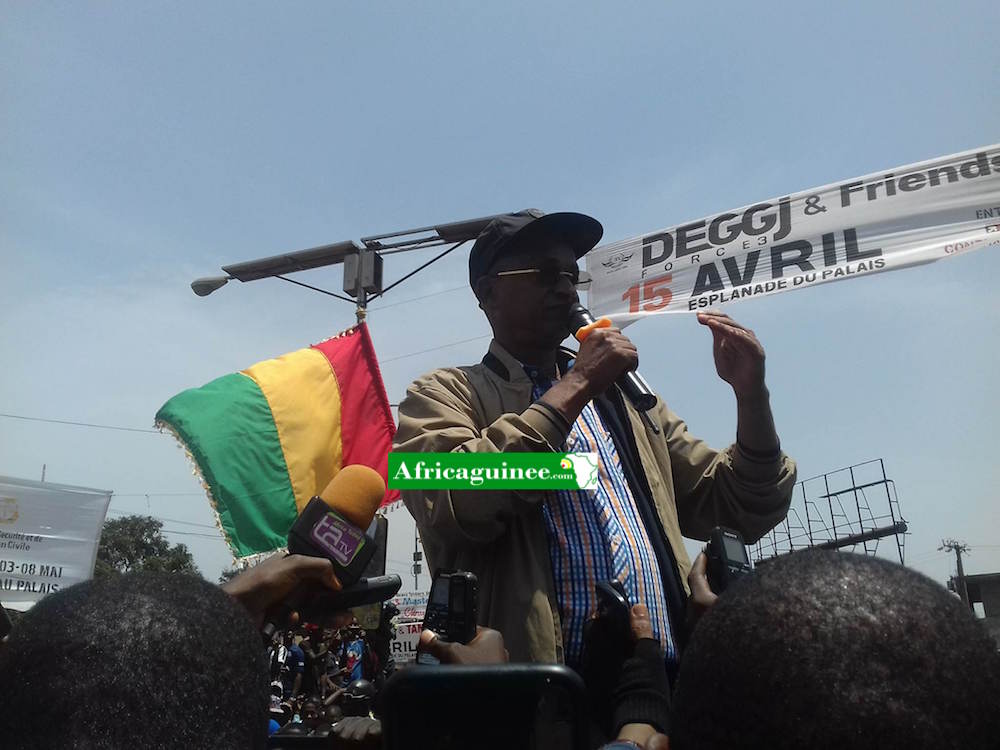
x=8, y=510
x=493, y=471
x=338, y=537
x=617, y=262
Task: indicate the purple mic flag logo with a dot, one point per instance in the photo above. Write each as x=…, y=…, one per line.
x=340, y=539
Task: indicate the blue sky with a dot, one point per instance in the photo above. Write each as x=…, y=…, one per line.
x=146, y=144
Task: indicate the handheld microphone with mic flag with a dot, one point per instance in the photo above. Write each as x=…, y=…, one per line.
x=635, y=388
x=339, y=524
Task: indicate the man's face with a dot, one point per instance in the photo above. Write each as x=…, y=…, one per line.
x=310, y=711
x=532, y=309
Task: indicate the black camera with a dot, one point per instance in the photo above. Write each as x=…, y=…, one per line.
x=613, y=606
x=727, y=558
x=453, y=606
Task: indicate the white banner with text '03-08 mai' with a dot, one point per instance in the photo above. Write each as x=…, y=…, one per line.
x=893, y=219
x=48, y=538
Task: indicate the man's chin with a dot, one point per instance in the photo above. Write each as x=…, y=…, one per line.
x=558, y=334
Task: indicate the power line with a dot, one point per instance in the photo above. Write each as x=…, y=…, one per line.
x=433, y=349
x=121, y=428
x=156, y=494
x=377, y=308
x=192, y=533
x=161, y=518
x=78, y=424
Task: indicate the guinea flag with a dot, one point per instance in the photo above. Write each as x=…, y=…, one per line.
x=268, y=438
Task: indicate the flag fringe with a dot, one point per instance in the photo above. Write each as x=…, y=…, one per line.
x=163, y=426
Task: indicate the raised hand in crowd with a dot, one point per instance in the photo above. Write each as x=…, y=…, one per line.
x=487, y=647
x=641, y=699
x=336, y=694
x=263, y=586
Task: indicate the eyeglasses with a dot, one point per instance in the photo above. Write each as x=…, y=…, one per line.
x=549, y=276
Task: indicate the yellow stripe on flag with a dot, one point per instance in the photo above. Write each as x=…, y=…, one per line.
x=304, y=397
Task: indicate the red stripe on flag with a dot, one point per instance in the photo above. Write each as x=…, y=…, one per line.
x=366, y=425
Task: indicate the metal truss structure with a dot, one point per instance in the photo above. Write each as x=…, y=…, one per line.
x=849, y=507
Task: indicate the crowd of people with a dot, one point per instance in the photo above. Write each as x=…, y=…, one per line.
x=321, y=674
x=816, y=649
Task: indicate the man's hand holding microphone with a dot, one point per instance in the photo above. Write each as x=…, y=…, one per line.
x=604, y=357
x=331, y=543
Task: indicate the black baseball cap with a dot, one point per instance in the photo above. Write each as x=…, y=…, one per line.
x=510, y=232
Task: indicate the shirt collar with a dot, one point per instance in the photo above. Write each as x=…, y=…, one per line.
x=509, y=368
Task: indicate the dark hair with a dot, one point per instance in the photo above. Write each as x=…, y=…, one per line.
x=821, y=649
x=149, y=660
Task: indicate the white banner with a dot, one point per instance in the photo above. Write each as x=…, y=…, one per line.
x=893, y=219
x=404, y=647
x=411, y=605
x=48, y=538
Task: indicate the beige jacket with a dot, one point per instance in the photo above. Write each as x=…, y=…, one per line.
x=500, y=535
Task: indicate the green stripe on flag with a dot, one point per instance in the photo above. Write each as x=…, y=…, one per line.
x=229, y=430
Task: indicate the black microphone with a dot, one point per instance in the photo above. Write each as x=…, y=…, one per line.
x=338, y=524
x=635, y=388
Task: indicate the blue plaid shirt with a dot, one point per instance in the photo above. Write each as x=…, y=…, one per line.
x=598, y=535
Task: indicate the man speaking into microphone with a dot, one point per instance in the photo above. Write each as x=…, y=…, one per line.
x=538, y=554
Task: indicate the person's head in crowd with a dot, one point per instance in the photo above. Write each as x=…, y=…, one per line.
x=121, y=662
x=311, y=711
x=333, y=714
x=823, y=649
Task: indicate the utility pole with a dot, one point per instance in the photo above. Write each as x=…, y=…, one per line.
x=43, y=472
x=417, y=557
x=958, y=548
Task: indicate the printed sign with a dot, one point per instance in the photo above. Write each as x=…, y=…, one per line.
x=893, y=219
x=48, y=538
x=404, y=647
x=411, y=605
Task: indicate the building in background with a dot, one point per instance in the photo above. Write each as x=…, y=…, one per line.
x=984, y=590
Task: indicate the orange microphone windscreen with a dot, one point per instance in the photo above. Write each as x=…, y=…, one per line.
x=355, y=492
x=583, y=331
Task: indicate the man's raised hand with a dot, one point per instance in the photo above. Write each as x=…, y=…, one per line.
x=739, y=356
